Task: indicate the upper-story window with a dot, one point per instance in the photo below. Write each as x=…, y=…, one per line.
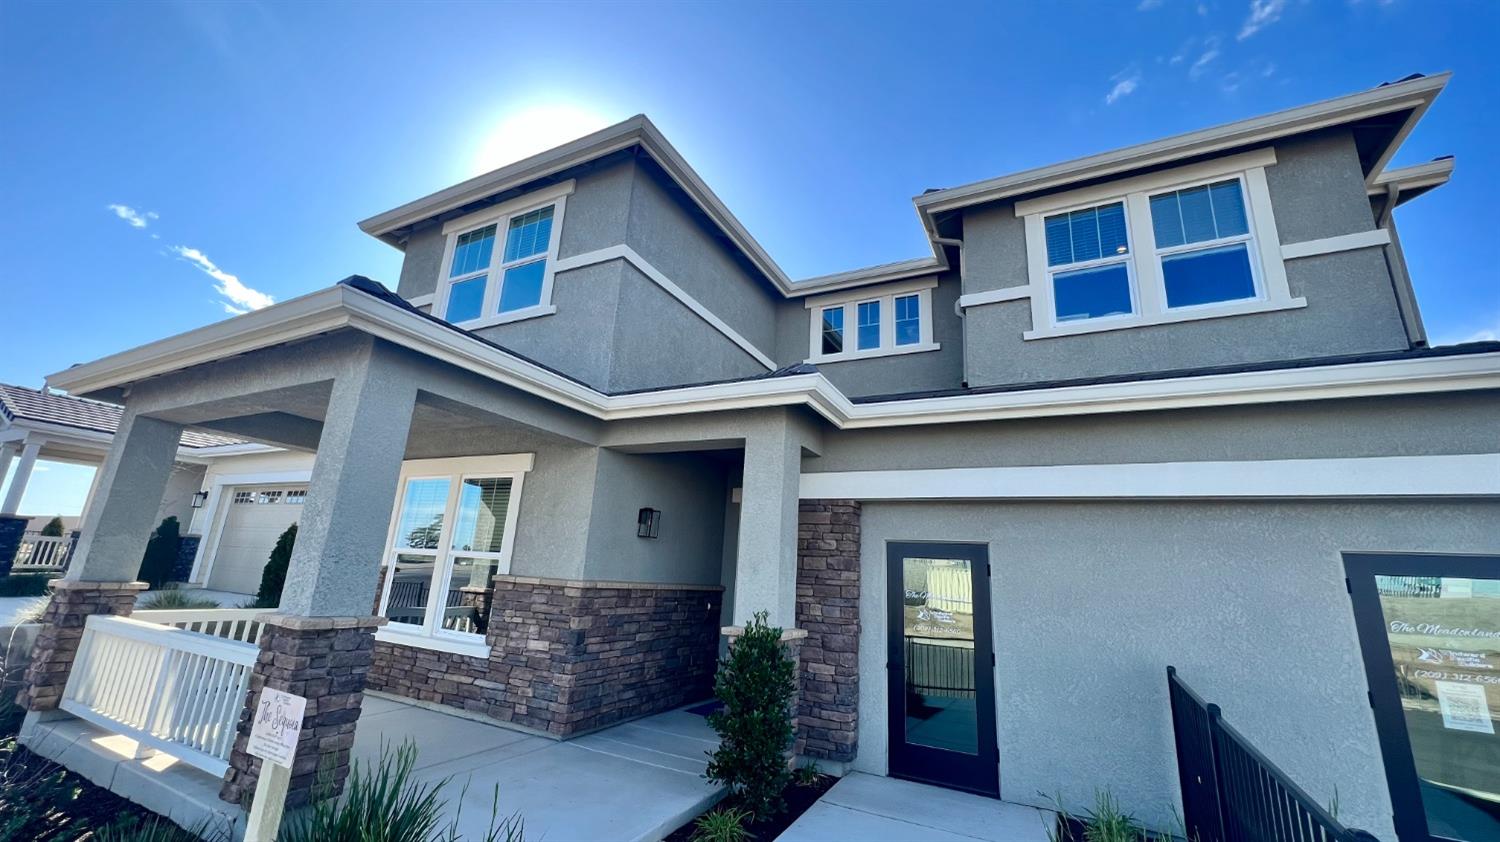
x=1191, y=243
x=894, y=319
x=498, y=263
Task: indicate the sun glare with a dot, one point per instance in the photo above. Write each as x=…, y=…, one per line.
x=534, y=129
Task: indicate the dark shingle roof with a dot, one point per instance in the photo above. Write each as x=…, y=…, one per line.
x=21, y=403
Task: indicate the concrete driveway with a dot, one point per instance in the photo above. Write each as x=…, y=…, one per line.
x=636, y=781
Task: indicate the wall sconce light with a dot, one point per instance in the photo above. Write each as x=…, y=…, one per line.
x=647, y=522
x=199, y=499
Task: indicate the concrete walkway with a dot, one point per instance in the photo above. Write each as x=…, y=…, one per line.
x=876, y=809
x=636, y=781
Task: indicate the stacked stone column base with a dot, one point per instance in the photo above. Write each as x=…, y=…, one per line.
x=62, y=629
x=828, y=546
x=327, y=661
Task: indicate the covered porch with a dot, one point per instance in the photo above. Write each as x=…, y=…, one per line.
x=465, y=544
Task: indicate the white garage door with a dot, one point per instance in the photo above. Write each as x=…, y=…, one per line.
x=256, y=516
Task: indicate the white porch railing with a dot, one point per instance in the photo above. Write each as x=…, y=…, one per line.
x=170, y=689
x=227, y=623
x=41, y=554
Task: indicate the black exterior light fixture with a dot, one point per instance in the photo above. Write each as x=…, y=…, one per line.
x=199, y=499
x=647, y=522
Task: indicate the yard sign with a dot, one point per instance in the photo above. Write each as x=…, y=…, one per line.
x=278, y=724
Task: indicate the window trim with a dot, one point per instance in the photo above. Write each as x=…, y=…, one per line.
x=1128, y=260
x=500, y=216
x=1144, y=258
x=512, y=466
x=849, y=302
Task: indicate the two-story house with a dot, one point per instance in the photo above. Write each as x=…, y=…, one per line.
x=1132, y=410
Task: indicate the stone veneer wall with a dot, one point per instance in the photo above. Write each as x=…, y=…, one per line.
x=828, y=610
x=570, y=656
x=62, y=622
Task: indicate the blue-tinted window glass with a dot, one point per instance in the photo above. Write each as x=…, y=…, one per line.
x=529, y=234
x=472, y=250
x=1091, y=293
x=869, y=325
x=523, y=286
x=1197, y=215
x=465, y=300
x=1112, y=230
x=1229, y=208
x=1059, y=242
x=833, y=330
x=1085, y=230
x=908, y=320
x=1208, y=276
x=1166, y=221
x=1087, y=234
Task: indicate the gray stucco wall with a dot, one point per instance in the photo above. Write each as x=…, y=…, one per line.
x=681, y=245
x=1092, y=601
x=184, y=482
x=940, y=369
x=1316, y=191
x=1465, y=422
x=689, y=492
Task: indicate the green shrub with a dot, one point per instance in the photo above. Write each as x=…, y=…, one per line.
x=161, y=553
x=24, y=585
x=726, y=825
x=756, y=682
x=273, y=577
x=382, y=802
x=174, y=599
x=53, y=529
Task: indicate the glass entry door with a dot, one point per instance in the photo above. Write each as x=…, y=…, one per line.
x=941, y=672
x=1429, y=626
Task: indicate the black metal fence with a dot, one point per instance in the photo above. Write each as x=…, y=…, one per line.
x=939, y=670
x=1233, y=793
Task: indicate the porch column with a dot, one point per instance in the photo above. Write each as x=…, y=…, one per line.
x=765, y=577
x=12, y=528
x=101, y=578
x=320, y=642
x=23, y=476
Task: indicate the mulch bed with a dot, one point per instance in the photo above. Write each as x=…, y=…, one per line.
x=799, y=799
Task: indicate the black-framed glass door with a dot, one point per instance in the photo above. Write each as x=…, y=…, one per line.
x=941, y=666
x=1429, y=628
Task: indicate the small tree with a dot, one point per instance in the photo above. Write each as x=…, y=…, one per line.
x=756, y=682
x=53, y=529
x=161, y=553
x=273, y=577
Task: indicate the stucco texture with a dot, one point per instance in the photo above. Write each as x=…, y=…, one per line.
x=1093, y=601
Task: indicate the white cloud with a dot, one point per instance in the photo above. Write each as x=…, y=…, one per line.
x=1122, y=88
x=240, y=299
x=133, y=217
x=1210, y=52
x=1263, y=13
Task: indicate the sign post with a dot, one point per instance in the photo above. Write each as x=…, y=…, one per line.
x=273, y=738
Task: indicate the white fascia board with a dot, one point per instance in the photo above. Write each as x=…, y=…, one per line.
x=900, y=270
x=1431, y=174
x=343, y=307
x=1416, y=94
x=1458, y=475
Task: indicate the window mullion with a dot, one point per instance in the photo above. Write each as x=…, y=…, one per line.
x=495, y=276
x=442, y=562
x=887, y=322
x=1150, y=290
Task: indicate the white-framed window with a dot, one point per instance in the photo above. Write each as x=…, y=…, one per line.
x=296, y=496
x=872, y=322
x=266, y=498
x=244, y=497
x=452, y=531
x=1189, y=243
x=498, y=262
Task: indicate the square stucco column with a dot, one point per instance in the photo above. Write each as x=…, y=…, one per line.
x=320, y=642
x=765, y=577
x=100, y=578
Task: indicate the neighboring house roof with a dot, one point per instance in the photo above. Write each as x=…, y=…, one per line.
x=18, y=403
x=361, y=304
x=1390, y=111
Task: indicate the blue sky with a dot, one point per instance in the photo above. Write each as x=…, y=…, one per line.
x=165, y=164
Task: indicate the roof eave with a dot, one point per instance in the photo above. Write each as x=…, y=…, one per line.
x=1416, y=95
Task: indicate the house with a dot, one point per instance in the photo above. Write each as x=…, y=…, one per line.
x=1132, y=410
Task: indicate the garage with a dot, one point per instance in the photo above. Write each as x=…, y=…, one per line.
x=255, y=516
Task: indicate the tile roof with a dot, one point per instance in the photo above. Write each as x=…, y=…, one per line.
x=21, y=403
